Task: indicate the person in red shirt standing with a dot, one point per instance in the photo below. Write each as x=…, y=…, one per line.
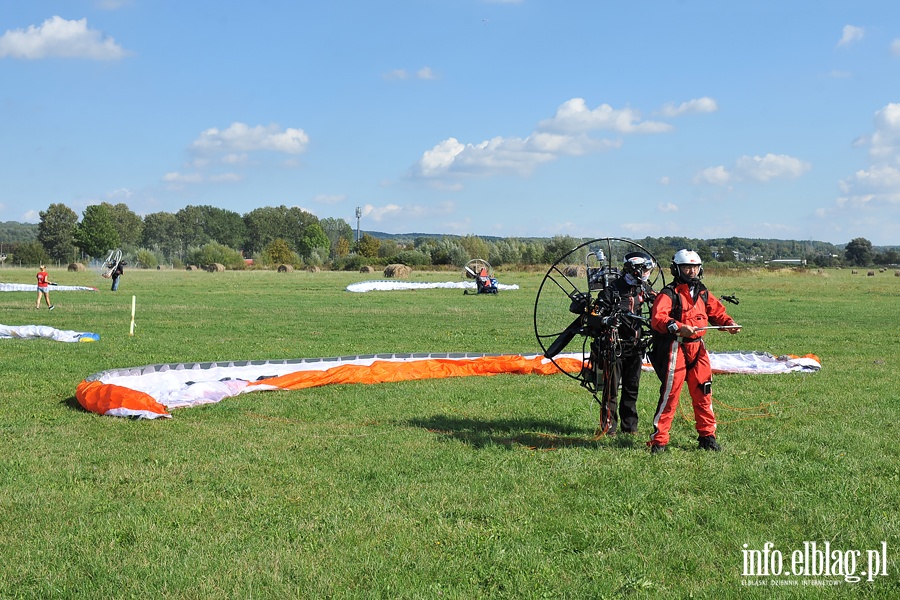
x=43, y=287
x=681, y=313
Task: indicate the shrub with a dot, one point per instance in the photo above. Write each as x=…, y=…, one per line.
x=216, y=253
x=412, y=257
x=351, y=262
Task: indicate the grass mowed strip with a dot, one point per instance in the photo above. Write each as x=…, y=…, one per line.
x=463, y=488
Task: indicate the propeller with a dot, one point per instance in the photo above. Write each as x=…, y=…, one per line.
x=578, y=282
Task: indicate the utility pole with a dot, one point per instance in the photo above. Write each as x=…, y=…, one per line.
x=358, y=217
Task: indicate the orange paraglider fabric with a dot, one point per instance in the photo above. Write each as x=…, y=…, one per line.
x=152, y=391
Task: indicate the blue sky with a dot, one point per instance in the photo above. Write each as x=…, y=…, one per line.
x=512, y=118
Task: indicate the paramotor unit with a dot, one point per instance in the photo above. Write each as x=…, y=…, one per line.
x=579, y=283
x=110, y=263
x=480, y=270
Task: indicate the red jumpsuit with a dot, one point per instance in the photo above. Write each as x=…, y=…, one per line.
x=677, y=360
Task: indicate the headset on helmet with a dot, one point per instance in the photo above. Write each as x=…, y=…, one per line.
x=686, y=257
x=638, y=265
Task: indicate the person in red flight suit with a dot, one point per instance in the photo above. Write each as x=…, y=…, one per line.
x=679, y=317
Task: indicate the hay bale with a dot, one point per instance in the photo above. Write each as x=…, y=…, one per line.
x=397, y=270
x=285, y=268
x=896, y=273
x=192, y=268
x=367, y=269
x=215, y=268
x=575, y=271
x=854, y=272
x=312, y=269
x=870, y=274
x=76, y=267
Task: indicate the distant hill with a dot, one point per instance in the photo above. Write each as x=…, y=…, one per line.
x=409, y=237
x=800, y=244
x=12, y=232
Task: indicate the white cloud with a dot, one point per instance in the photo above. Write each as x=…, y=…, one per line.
x=235, y=158
x=885, y=142
x=396, y=74
x=59, y=38
x=573, y=116
x=180, y=178
x=440, y=158
x=664, y=180
x=225, y=178
x=666, y=207
x=851, y=34
x=895, y=47
x=567, y=133
x=713, y=175
x=120, y=194
x=770, y=166
x=879, y=181
x=407, y=212
x=502, y=155
x=240, y=138
x=754, y=168
x=697, y=105
x=426, y=73
x=177, y=180
x=868, y=198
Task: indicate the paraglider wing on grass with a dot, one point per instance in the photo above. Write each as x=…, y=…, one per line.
x=387, y=286
x=151, y=391
x=31, y=287
x=147, y=392
x=46, y=332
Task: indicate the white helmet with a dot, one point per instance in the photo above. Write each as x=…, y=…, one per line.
x=686, y=257
x=638, y=265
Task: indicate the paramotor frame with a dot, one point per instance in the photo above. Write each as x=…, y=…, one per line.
x=109, y=264
x=481, y=271
x=584, y=276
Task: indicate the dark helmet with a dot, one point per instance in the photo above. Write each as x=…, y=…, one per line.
x=638, y=265
x=686, y=257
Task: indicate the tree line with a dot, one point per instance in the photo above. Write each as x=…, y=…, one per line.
x=268, y=236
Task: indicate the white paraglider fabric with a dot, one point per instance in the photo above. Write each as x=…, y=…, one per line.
x=387, y=286
x=45, y=332
x=32, y=287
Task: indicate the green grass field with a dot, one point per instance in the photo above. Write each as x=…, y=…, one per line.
x=462, y=488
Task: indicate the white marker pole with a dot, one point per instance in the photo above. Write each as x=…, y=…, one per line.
x=131, y=330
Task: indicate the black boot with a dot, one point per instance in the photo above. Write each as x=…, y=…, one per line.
x=708, y=442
